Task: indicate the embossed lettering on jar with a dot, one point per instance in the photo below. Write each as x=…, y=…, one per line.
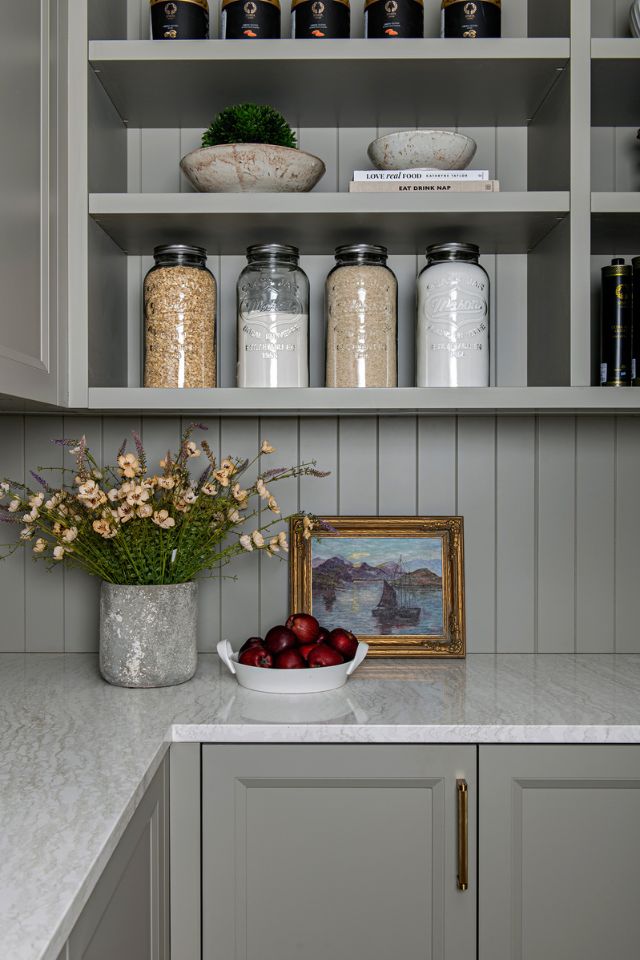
x=273, y=319
x=452, y=342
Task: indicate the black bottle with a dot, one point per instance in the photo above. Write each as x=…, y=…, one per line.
x=616, y=327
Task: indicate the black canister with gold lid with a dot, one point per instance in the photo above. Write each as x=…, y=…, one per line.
x=180, y=19
x=393, y=18
x=616, y=328
x=475, y=19
x=250, y=20
x=320, y=19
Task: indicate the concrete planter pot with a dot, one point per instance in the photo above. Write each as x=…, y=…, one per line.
x=252, y=168
x=148, y=635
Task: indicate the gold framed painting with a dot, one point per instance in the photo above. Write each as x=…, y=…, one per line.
x=396, y=582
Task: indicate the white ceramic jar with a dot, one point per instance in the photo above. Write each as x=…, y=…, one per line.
x=452, y=341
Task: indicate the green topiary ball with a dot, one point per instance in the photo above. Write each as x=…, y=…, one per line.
x=249, y=123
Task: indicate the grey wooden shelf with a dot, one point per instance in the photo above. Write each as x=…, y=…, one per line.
x=318, y=401
x=615, y=79
x=227, y=223
x=435, y=82
x=615, y=222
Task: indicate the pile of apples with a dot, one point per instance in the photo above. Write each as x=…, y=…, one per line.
x=299, y=644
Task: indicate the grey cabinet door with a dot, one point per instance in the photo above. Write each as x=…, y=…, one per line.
x=127, y=915
x=28, y=211
x=559, y=849
x=344, y=852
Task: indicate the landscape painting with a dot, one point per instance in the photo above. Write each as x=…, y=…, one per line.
x=378, y=585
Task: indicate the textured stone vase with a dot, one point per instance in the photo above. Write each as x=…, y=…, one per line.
x=634, y=18
x=148, y=634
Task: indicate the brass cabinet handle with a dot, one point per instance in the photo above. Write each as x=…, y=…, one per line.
x=463, y=834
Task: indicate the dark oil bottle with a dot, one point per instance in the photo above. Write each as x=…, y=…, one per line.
x=320, y=19
x=616, y=327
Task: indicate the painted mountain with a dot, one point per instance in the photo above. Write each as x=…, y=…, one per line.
x=336, y=572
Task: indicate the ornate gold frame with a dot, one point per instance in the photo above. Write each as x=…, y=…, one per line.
x=451, y=529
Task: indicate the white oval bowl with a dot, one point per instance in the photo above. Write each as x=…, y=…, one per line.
x=252, y=168
x=422, y=149
x=315, y=680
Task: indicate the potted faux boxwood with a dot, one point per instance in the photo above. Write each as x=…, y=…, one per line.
x=251, y=149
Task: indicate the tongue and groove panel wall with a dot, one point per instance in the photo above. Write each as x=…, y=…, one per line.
x=552, y=521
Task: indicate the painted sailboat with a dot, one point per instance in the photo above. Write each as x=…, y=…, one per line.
x=393, y=605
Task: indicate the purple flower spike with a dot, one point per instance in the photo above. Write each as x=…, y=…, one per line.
x=43, y=483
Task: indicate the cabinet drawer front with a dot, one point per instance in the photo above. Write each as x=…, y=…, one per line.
x=559, y=848
x=314, y=851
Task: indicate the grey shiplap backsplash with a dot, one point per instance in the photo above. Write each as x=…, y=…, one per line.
x=551, y=509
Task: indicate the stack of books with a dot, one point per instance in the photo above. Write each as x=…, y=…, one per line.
x=423, y=181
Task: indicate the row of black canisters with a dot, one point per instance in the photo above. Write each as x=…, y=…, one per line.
x=620, y=326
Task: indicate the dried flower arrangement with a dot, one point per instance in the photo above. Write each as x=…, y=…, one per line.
x=126, y=525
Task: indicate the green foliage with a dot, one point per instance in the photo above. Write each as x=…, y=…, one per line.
x=249, y=123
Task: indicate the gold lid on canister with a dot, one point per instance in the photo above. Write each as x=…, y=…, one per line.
x=274, y=3
x=296, y=3
x=199, y=3
x=448, y=3
x=369, y=3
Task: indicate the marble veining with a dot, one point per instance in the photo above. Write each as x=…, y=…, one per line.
x=78, y=754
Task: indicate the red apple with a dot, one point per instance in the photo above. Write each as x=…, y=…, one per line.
x=344, y=642
x=324, y=656
x=306, y=648
x=256, y=656
x=278, y=639
x=323, y=636
x=251, y=642
x=290, y=660
x=305, y=627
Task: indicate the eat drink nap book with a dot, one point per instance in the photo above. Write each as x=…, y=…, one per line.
x=484, y=186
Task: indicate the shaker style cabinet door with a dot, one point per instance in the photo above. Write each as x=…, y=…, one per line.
x=127, y=915
x=350, y=852
x=28, y=172
x=559, y=850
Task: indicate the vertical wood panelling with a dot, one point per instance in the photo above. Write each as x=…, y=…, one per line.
x=510, y=320
x=595, y=555
x=322, y=142
x=515, y=534
x=358, y=467
x=320, y=443
x=397, y=466
x=556, y=534
x=437, y=458
x=476, y=503
x=627, y=558
x=230, y=268
x=12, y=570
x=44, y=589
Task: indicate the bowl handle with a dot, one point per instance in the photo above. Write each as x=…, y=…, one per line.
x=361, y=652
x=225, y=650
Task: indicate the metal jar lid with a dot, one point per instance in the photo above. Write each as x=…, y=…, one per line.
x=179, y=250
x=272, y=250
x=617, y=268
x=360, y=250
x=453, y=251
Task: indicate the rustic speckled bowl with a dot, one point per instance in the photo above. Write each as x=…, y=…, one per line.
x=426, y=149
x=252, y=168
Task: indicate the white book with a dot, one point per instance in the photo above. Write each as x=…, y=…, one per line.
x=418, y=176
x=444, y=186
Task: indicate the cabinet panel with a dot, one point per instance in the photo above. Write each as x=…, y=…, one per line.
x=127, y=914
x=558, y=852
x=335, y=851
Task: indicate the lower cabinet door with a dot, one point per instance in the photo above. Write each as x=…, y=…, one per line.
x=559, y=852
x=350, y=852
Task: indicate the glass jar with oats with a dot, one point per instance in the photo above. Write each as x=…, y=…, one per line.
x=179, y=319
x=362, y=319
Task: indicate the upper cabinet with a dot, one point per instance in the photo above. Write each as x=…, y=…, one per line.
x=31, y=86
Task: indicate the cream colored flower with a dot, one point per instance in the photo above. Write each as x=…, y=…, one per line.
x=262, y=489
x=145, y=510
x=189, y=496
x=245, y=542
x=57, y=529
x=87, y=488
x=105, y=529
x=307, y=527
x=166, y=483
x=192, y=449
x=273, y=505
x=126, y=512
x=13, y=506
x=129, y=465
x=149, y=483
x=229, y=466
x=32, y=516
x=181, y=505
x=53, y=502
x=282, y=540
x=274, y=545
x=162, y=519
x=235, y=517
x=62, y=510
x=97, y=474
x=90, y=494
x=137, y=495
x=239, y=494
x=40, y=545
x=209, y=489
x=266, y=447
x=70, y=534
x=113, y=495
x=36, y=500
x=257, y=538
x=4, y=486
x=222, y=477
x=26, y=533
x=58, y=553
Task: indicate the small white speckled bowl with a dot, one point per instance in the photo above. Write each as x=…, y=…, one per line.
x=252, y=168
x=422, y=149
x=290, y=681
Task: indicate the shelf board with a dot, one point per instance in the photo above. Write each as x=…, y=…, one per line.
x=615, y=77
x=317, y=401
x=615, y=222
x=434, y=82
x=227, y=223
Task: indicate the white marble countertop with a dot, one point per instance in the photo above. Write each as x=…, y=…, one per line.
x=77, y=754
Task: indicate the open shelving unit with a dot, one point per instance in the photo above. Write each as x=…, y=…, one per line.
x=564, y=159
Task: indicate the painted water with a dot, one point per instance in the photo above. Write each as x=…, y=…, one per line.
x=352, y=606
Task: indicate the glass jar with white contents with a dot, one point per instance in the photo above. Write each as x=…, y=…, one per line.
x=452, y=342
x=273, y=318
